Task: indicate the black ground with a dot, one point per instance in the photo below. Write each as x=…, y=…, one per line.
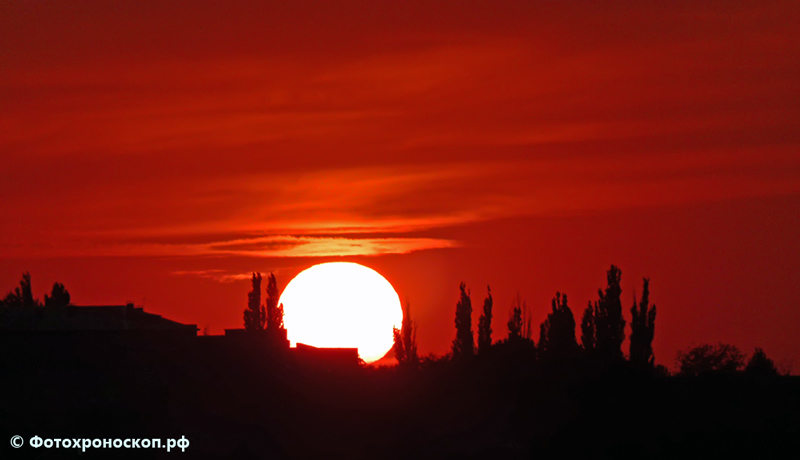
x=242, y=403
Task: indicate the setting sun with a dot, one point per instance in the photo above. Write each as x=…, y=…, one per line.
x=342, y=305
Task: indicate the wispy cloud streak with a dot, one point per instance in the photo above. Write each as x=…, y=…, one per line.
x=276, y=246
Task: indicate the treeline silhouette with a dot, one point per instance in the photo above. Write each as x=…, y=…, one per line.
x=566, y=392
x=22, y=296
x=602, y=333
x=602, y=330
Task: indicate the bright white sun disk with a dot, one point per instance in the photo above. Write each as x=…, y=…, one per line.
x=342, y=305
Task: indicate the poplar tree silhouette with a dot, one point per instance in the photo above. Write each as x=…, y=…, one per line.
x=274, y=310
x=405, y=340
x=608, y=320
x=485, y=323
x=527, y=323
x=59, y=296
x=643, y=323
x=557, y=332
x=587, y=329
x=515, y=322
x=27, y=292
x=254, y=314
x=544, y=329
x=463, y=344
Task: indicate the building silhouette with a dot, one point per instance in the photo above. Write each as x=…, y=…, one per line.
x=102, y=335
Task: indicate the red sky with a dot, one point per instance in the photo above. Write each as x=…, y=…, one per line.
x=163, y=150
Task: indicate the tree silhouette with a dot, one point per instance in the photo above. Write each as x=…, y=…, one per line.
x=27, y=292
x=527, y=321
x=519, y=322
x=254, y=314
x=710, y=359
x=274, y=310
x=59, y=296
x=760, y=365
x=515, y=322
x=643, y=323
x=398, y=347
x=21, y=296
x=405, y=341
x=557, y=332
x=12, y=299
x=485, y=323
x=608, y=320
x=463, y=344
x=544, y=330
x=587, y=329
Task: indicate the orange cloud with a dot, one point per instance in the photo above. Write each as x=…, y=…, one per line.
x=265, y=247
x=215, y=274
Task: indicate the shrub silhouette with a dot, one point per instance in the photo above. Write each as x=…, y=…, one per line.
x=760, y=365
x=710, y=359
x=59, y=296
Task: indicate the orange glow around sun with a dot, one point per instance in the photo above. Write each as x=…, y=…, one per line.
x=342, y=305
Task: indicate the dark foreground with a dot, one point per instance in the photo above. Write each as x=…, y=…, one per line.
x=244, y=403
